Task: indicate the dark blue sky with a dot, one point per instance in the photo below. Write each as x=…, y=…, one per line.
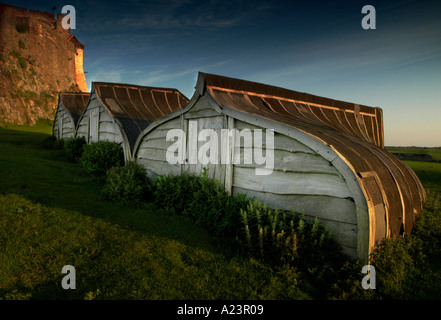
x=317, y=47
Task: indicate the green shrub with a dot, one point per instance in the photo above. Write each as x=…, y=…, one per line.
x=127, y=184
x=98, y=157
x=203, y=200
x=52, y=143
x=74, y=147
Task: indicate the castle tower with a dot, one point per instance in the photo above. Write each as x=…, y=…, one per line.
x=79, y=71
x=38, y=60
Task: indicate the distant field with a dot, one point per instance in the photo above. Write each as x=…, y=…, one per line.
x=428, y=172
x=434, y=152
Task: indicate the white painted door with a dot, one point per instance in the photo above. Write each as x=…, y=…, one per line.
x=203, y=151
x=93, y=124
x=60, y=125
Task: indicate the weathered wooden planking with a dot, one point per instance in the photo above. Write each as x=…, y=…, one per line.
x=202, y=113
x=229, y=157
x=66, y=116
x=201, y=109
x=215, y=170
x=156, y=140
x=201, y=105
x=287, y=161
x=55, y=129
x=281, y=141
x=64, y=124
x=109, y=127
x=291, y=183
x=105, y=116
x=94, y=124
x=344, y=234
x=83, y=126
x=156, y=144
x=171, y=124
x=324, y=207
x=110, y=136
x=68, y=131
x=160, y=132
x=58, y=123
x=159, y=167
x=152, y=154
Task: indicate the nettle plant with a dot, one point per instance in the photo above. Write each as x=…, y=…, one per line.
x=271, y=233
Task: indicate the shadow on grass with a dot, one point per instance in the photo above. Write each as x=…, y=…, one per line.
x=46, y=177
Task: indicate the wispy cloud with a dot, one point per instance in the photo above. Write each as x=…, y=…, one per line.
x=172, y=14
x=166, y=73
x=356, y=51
x=111, y=74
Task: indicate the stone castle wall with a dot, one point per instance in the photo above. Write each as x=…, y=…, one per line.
x=37, y=61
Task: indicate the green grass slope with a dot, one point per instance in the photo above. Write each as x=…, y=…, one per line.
x=51, y=215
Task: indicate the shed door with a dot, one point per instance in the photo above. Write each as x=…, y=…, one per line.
x=93, y=124
x=205, y=153
x=60, y=125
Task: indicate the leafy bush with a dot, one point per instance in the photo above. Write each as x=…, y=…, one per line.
x=74, y=147
x=52, y=143
x=203, y=200
x=98, y=157
x=127, y=184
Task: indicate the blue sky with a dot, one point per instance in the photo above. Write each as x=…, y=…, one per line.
x=317, y=47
